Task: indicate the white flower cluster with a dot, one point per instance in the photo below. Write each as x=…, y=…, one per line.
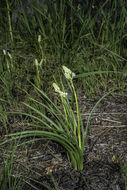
x=36, y=62
x=68, y=73
x=39, y=38
x=57, y=89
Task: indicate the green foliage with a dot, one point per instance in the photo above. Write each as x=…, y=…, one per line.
x=9, y=180
x=35, y=41
x=124, y=172
x=95, y=39
x=64, y=128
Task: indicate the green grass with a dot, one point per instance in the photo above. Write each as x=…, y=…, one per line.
x=8, y=178
x=65, y=128
x=123, y=167
x=92, y=45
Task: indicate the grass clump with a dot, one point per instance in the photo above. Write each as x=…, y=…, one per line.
x=64, y=128
x=90, y=35
x=8, y=178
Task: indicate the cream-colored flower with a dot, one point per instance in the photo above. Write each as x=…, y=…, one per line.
x=57, y=89
x=66, y=70
x=68, y=73
x=63, y=94
x=39, y=38
x=4, y=51
x=36, y=62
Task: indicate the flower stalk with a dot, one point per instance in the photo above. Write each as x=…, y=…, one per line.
x=70, y=75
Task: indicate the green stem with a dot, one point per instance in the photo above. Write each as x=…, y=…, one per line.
x=78, y=117
x=103, y=22
x=9, y=21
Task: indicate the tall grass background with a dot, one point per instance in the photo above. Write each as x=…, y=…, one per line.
x=85, y=38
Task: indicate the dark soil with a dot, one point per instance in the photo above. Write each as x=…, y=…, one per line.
x=104, y=153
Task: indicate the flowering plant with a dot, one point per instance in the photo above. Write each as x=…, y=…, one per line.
x=65, y=128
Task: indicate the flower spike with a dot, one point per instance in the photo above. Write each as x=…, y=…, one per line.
x=57, y=89
x=68, y=73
